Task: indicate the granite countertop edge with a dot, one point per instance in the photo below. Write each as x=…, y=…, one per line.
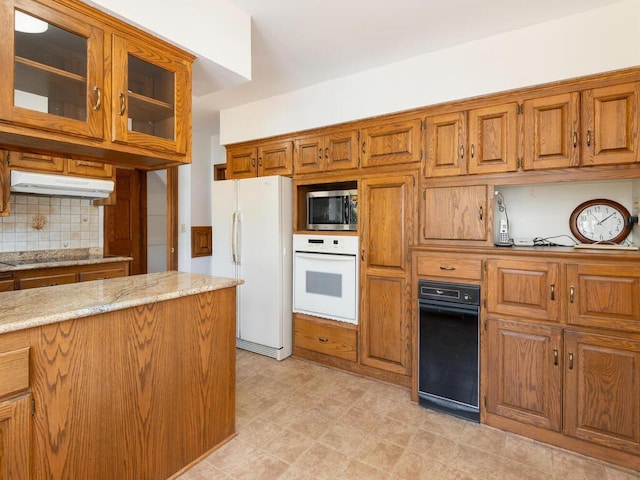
x=65, y=263
x=24, y=309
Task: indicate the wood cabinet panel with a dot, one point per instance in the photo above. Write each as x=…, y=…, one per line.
x=242, y=162
x=46, y=280
x=6, y=285
x=102, y=274
x=524, y=288
x=392, y=143
x=38, y=163
x=493, y=139
x=327, y=337
x=90, y=169
x=153, y=410
x=443, y=265
x=551, y=132
x=454, y=213
x=15, y=432
x=14, y=371
x=603, y=390
x=524, y=380
x=275, y=159
x=602, y=296
x=446, y=145
x=5, y=185
x=332, y=152
x=385, y=326
x=610, y=124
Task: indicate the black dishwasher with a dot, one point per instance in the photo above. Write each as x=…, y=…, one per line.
x=448, y=377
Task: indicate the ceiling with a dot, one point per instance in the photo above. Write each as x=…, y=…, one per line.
x=297, y=43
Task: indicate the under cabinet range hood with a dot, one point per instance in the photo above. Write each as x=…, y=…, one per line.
x=60, y=185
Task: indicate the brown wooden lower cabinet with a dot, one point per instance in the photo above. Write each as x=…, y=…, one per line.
x=6, y=284
x=524, y=379
x=47, y=277
x=132, y=394
x=337, y=339
x=15, y=432
x=602, y=389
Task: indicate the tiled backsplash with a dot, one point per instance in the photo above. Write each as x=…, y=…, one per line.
x=43, y=223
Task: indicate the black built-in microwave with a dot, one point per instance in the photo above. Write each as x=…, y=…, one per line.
x=332, y=210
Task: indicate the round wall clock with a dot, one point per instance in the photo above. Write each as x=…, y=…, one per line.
x=600, y=220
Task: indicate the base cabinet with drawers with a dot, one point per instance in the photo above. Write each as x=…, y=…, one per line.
x=327, y=337
x=51, y=276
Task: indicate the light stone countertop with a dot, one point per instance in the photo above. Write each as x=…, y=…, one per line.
x=34, y=307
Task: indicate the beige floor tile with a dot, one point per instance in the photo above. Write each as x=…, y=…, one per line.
x=288, y=446
x=260, y=466
x=379, y=454
x=443, y=424
x=570, y=466
x=322, y=462
x=258, y=432
x=360, y=419
x=231, y=455
x=512, y=470
x=614, y=473
x=484, y=438
x=478, y=463
x=433, y=446
x=311, y=423
x=394, y=431
x=343, y=439
x=357, y=470
x=529, y=452
x=417, y=467
x=295, y=473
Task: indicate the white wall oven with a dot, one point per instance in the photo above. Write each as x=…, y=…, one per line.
x=325, y=276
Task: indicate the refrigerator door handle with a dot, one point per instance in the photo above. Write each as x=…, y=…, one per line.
x=235, y=240
x=234, y=237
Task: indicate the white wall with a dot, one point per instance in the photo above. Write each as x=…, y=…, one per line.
x=216, y=30
x=596, y=41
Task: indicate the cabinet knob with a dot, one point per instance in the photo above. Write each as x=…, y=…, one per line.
x=575, y=139
x=473, y=150
x=555, y=356
x=462, y=151
x=326, y=152
x=588, y=138
x=553, y=292
x=481, y=212
x=363, y=146
x=323, y=339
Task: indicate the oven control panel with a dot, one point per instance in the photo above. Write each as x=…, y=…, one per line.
x=449, y=292
x=337, y=244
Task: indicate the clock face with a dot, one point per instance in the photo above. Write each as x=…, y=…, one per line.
x=600, y=221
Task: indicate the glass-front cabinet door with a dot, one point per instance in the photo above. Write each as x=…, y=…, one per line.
x=52, y=68
x=150, y=97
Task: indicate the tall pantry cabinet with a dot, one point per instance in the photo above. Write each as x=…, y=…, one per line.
x=386, y=221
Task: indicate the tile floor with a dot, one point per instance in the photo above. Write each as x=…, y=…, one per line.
x=297, y=420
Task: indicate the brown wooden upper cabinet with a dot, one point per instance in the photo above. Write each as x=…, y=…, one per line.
x=446, y=145
x=610, y=124
x=54, y=78
x=454, y=213
x=551, y=132
x=273, y=158
x=150, y=90
x=57, y=79
x=326, y=153
x=392, y=143
x=47, y=164
x=493, y=139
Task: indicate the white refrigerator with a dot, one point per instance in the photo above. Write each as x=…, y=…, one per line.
x=252, y=235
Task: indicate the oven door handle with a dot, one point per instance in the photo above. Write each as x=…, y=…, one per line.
x=326, y=256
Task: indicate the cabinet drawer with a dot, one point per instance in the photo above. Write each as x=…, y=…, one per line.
x=14, y=371
x=46, y=281
x=6, y=284
x=101, y=274
x=435, y=265
x=324, y=336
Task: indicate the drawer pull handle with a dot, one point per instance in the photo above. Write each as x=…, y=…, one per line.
x=553, y=292
x=326, y=152
x=555, y=357
x=571, y=361
x=473, y=150
x=448, y=269
x=572, y=292
x=462, y=151
x=364, y=147
x=575, y=139
x=323, y=339
x=588, y=138
x=481, y=212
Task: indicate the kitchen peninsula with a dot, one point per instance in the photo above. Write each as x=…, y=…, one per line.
x=129, y=378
